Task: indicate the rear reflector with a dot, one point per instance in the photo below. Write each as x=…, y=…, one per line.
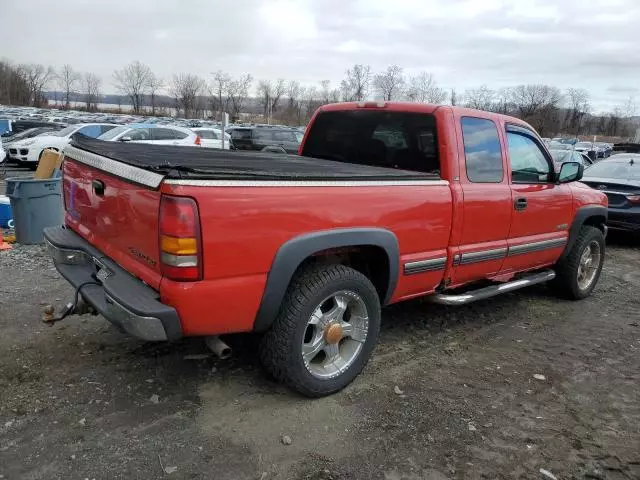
x=180, y=239
x=198, y=140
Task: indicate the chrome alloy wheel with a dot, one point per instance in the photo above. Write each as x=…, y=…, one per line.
x=589, y=264
x=335, y=334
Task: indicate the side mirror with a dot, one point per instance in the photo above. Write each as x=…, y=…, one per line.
x=570, y=172
x=125, y=139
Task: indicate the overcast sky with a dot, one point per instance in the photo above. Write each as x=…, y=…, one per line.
x=591, y=44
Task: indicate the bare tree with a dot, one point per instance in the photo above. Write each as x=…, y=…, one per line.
x=389, y=84
x=14, y=88
x=578, y=99
x=325, y=91
x=92, y=85
x=154, y=85
x=133, y=81
x=355, y=87
x=279, y=89
x=185, y=88
x=481, y=98
x=454, y=98
x=37, y=77
x=265, y=92
x=220, y=90
x=68, y=80
x=424, y=89
x=238, y=92
x=538, y=105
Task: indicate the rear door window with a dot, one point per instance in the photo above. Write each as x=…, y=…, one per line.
x=399, y=140
x=138, y=134
x=483, y=155
x=241, y=134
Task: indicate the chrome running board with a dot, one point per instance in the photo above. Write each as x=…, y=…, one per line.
x=493, y=290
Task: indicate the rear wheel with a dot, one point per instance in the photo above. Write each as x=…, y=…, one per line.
x=327, y=327
x=578, y=273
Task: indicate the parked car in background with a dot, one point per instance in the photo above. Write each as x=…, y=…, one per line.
x=152, y=133
x=561, y=156
x=30, y=150
x=260, y=137
x=607, y=148
x=619, y=178
x=212, y=137
x=17, y=126
x=3, y=154
x=9, y=141
x=591, y=149
x=553, y=145
x=30, y=133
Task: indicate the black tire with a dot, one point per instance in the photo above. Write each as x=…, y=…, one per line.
x=281, y=346
x=566, y=282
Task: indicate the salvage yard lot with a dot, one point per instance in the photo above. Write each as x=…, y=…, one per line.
x=80, y=400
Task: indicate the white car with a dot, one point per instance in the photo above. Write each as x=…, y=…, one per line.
x=151, y=133
x=212, y=137
x=30, y=150
x=3, y=154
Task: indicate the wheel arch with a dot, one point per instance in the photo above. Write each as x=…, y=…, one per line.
x=295, y=252
x=594, y=215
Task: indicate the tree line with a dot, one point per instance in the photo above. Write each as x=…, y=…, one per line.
x=547, y=108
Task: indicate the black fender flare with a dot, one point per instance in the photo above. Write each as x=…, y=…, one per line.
x=295, y=251
x=581, y=217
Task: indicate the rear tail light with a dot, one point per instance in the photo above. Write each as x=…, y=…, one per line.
x=198, y=140
x=634, y=199
x=180, y=239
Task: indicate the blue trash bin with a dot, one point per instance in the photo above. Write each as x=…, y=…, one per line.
x=35, y=204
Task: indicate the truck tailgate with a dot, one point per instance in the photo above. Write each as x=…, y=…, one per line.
x=116, y=216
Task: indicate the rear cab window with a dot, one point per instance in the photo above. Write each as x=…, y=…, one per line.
x=399, y=140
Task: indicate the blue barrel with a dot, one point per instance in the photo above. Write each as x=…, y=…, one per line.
x=35, y=204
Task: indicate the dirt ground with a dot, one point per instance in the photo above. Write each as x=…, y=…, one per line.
x=80, y=400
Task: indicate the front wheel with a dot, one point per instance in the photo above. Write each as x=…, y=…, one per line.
x=578, y=273
x=326, y=330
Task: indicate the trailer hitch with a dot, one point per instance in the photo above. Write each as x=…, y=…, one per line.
x=78, y=307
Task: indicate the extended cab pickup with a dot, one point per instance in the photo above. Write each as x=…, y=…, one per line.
x=386, y=202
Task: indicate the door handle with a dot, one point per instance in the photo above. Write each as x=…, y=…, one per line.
x=98, y=187
x=520, y=204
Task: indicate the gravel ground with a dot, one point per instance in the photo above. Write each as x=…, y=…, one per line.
x=499, y=389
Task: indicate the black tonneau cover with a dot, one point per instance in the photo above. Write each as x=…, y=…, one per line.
x=207, y=163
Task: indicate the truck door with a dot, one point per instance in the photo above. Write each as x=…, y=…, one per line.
x=541, y=209
x=486, y=207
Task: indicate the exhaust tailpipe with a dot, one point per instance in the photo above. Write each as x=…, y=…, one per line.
x=217, y=346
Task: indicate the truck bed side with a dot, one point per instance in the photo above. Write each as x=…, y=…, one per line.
x=239, y=248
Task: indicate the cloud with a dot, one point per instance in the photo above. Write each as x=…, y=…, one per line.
x=464, y=43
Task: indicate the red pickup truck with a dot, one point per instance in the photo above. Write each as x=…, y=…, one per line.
x=386, y=202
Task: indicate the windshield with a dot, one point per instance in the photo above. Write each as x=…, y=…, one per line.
x=19, y=135
x=622, y=169
x=65, y=131
x=113, y=133
x=583, y=145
